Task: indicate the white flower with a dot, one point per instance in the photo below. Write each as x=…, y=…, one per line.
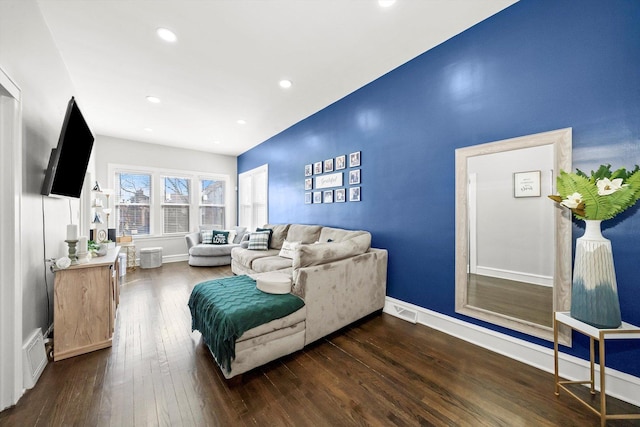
x=572, y=201
x=606, y=187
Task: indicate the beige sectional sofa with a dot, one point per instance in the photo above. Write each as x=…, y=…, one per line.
x=338, y=275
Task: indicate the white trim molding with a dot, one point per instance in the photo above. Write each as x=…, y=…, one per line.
x=11, y=384
x=619, y=384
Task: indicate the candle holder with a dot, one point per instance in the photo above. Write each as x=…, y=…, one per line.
x=72, y=250
x=82, y=257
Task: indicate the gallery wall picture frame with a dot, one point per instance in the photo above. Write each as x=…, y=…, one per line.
x=308, y=183
x=307, y=198
x=354, y=194
x=317, y=197
x=354, y=159
x=340, y=195
x=328, y=181
x=526, y=184
x=341, y=162
x=308, y=170
x=328, y=165
x=317, y=168
x=354, y=177
x=327, y=196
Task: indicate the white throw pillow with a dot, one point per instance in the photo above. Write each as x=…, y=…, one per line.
x=288, y=249
x=232, y=235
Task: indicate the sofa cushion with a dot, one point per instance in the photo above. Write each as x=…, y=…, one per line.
x=206, y=236
x=219, y=237
x=303, y=233
x=322, y=253
x=270, y=263
x=259, y=241
x=231, y=235
x=211, y=250
x=329, y=234
x=246, y=257
x=240, y=232
x=288, y=249
x=278, y=236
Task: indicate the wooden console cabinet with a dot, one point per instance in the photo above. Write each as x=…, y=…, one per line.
x=85, y=298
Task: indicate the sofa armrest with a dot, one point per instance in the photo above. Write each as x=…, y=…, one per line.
x=339, y=293
x=192, y=239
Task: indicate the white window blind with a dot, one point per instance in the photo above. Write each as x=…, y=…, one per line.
x=175, y=205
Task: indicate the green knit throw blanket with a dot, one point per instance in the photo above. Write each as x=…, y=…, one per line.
x=223, y=309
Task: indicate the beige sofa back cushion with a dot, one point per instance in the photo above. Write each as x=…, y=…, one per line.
x=304, y=233
x=340, y=235
x=278, y=236
x=322, y=253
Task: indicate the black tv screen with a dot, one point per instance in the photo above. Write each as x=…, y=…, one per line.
x=69, y=160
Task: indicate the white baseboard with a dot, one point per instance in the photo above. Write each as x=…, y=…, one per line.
x=175, y=258
x=619, y=384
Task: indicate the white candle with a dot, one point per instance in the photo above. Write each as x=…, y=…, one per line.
x=72, y=232
x=82, y=245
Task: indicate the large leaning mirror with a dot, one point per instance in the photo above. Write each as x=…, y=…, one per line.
x=513, y=244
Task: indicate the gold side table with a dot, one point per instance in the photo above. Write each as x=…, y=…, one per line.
x=625, y=331
x=130, y=249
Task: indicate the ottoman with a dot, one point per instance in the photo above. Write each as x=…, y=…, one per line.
x=150, y=257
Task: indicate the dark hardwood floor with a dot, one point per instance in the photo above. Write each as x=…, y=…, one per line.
x=381, y=371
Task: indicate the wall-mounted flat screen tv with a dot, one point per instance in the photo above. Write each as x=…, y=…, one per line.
x=69, y=160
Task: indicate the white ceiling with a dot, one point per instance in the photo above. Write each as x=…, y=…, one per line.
x=230, y=56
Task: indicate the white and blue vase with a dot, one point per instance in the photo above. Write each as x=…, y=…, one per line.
x=594, y=295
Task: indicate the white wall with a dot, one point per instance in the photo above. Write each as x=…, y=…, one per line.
x=115, y=151
x=30, y=57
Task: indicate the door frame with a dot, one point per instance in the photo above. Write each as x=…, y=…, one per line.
x=11, y=375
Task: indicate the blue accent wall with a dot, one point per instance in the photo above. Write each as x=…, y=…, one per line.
x=539, y=65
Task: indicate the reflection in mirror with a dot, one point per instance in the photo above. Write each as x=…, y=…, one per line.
x=513, y=247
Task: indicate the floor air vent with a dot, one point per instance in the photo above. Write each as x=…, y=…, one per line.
x=405, y=313
x=34, y=359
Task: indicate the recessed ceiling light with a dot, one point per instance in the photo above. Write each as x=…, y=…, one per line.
x=153, y=99
x=166, y=35
x=285, y=84
x=386, y=3
x=241, y=122
x=148, y=129
x=216, y=142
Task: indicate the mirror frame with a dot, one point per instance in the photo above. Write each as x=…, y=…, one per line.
x=562, y=145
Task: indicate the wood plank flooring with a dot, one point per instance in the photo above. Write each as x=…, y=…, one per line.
x=381, y=371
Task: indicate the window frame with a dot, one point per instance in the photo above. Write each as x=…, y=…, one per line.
x=156, y=202
x=117, y=201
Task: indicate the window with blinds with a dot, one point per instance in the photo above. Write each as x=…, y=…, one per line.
x=154, y=202
x=175, y=205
